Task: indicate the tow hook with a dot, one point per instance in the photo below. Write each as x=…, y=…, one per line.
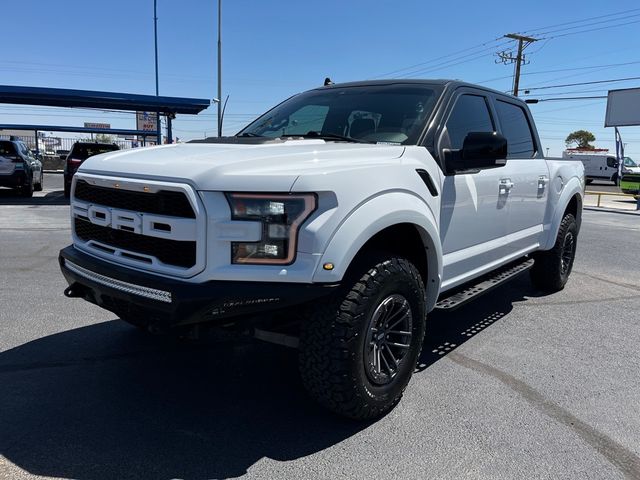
x=74, y=291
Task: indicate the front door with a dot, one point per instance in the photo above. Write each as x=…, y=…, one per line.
x=474, y=213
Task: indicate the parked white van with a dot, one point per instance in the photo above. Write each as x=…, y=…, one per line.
x=598, y=164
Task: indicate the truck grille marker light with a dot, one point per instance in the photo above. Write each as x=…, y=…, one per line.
x=281, y=216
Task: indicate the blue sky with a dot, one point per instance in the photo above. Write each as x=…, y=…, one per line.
x=274, y=49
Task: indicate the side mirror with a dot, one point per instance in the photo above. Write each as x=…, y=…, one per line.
x=483, y=150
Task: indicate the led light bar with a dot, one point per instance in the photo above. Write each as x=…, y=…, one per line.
x=146, y=292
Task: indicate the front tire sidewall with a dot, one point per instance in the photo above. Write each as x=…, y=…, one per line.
x=382, y=395
x=333, y=354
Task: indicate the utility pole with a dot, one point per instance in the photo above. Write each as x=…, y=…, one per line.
x=507, y=57
x=219, y=68
x=155, y=38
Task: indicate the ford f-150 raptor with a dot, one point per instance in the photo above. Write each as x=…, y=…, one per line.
x=356, y=208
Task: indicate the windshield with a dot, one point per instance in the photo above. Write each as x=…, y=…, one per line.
x=628, y=162
x=372, y=113
x=7, y=149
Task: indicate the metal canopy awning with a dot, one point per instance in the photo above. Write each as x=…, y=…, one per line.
x=62, y=97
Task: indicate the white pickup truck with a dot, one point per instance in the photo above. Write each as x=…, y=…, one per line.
x=354, y=208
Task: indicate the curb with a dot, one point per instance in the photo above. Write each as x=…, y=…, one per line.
x=613, y=210
x=53, y=171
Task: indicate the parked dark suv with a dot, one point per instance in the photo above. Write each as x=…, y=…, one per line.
x=80, y=151
x=18, y=168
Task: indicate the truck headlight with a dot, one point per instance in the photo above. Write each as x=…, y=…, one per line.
x=281, y=216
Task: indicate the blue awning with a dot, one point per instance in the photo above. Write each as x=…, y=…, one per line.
x=62, y=97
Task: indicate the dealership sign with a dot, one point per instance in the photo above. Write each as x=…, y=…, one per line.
x=105, y=126
x=147, y=121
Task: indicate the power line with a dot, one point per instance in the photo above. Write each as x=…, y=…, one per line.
x=584, y=83
x=573, y=92
x=482, y=46
x=540, y=100
x=473, y=51
x=591, y=67
x=599, y=22
x=590, y=104
x=450, y=63
x=590, y=30
x=582, y=20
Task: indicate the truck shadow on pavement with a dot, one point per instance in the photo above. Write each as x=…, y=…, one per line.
x=106, y=401
x=447, y=330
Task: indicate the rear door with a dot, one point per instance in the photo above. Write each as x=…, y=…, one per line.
x=527, y=175
x=8, y=157
x=473, y=216
x=35, y=165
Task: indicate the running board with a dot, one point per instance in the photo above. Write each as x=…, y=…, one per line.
x=474, y=291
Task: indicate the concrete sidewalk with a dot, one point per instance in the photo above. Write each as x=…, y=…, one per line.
x=611, y=203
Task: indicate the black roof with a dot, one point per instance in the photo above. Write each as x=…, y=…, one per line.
x=448, y=83
x=62, y=97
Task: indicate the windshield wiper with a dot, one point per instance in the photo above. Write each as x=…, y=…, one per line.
x=330, y=136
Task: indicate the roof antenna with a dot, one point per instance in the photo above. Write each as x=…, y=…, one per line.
x=327, y=81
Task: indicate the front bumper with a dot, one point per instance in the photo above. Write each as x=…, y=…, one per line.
x=150, y=299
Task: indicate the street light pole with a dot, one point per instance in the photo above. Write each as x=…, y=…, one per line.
x=155, y=38
x=219, y=68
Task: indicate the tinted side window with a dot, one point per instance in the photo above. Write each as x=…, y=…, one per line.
x=469, y=114
x=25, y=151
x=516, y=129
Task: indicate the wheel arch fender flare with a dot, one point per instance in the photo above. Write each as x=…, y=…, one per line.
x=571, y=190
x=371, y=218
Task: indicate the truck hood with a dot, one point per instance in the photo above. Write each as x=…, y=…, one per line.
x=266, y=167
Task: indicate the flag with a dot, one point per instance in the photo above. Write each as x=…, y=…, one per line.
x=619, y=152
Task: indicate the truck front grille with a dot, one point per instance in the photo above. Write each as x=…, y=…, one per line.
x=171, y=252
x=155, y=226
x=164, y=202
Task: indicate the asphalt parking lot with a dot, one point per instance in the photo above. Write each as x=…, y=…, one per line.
x=514, y=385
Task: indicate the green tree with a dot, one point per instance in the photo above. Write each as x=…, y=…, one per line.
x=104, y=138
x=580, y=139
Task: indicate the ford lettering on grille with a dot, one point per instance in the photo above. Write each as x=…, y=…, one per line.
x=162, y=234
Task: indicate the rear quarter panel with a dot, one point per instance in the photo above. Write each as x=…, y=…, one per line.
x=566, y=180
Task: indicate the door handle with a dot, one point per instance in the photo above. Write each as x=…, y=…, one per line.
x=505, y=186
x=542, y=184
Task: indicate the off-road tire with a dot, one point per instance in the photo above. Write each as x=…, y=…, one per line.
x=552, y=268
x=332, y=359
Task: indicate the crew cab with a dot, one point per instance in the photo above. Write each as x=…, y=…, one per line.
x=349, y=211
